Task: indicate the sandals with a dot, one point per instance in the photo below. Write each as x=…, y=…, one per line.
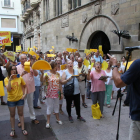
x=12, y=134
x=38, y=107
x=24, y=132
x=84, y=105
x=35, y=121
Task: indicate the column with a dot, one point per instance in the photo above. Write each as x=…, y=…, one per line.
x=72, y=3
x=56, y=9
x=77, y=3
x=60, y=7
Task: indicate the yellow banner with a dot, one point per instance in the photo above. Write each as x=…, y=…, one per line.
x=5, y=38
x=1, y=89
x=18, y=48
x=10, y=55
x=93, y=50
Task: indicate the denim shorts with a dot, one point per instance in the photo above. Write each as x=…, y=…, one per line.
x=17, y=103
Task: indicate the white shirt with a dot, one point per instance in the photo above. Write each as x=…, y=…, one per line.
x=109, y=80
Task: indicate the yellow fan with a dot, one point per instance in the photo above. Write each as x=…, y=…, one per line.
x=27, y=66
x=104, y=65
x=41, y=65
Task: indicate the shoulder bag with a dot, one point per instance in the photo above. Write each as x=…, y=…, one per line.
x=69, y=89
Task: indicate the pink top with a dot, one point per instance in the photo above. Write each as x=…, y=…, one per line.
x=28, y=78
x=53, y=85
x=97, y=85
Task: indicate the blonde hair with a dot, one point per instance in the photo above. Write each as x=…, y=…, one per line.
x=97, y=63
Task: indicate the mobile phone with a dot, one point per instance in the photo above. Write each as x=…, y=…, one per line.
x=16, y=76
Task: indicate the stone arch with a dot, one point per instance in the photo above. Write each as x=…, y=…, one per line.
x=100, y=23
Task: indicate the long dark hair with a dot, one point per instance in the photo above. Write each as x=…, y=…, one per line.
x=9, y=70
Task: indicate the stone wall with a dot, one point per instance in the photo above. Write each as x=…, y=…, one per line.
x=110, y=15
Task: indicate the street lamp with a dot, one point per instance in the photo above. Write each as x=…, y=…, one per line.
x=123, y=34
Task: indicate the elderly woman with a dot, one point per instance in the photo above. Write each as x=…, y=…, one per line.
x=52, y=78
x=67, y=79
x=97, y=86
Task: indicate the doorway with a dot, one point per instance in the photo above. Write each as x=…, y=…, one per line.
x=100, y=38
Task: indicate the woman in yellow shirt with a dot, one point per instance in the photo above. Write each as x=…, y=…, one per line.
x=16, y=89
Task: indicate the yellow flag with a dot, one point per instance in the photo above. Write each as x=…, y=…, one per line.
x=104, y=65
x=63, y=67
x=10, y=55
x=1, y=89
x=24, y=52
x=51, y=55
x=86, y=62
x=92, y=64
x=28, y=49
x=87, y=51
x=53, y=47
x=33, y=53
x=18, y=48
x=69, y=49
x=51, y=50
x=3, y=46
x=93, y=50
x=101, y=52
x=100, y=47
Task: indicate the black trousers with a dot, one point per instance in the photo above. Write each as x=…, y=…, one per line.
x=76, y=99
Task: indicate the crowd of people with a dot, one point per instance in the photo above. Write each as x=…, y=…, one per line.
x=50, y=85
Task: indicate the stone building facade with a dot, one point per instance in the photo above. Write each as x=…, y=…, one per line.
x=81, y=24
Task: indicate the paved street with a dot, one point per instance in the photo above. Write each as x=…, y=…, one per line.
x=104, y=129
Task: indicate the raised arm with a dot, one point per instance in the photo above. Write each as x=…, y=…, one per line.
x=116, y=76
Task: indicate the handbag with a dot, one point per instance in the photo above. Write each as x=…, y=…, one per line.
x=69, y=89
x=96, y=113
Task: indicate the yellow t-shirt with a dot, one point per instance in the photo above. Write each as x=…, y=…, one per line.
x=16, y=92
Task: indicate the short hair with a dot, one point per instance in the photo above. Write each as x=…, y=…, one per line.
x=53, y=64
x=97, y=62
x=22, y=55
x=123, y=57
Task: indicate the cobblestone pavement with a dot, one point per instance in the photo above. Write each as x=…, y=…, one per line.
x=103, y=129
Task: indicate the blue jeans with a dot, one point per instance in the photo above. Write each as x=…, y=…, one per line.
x=36, y=96
x=17, y=103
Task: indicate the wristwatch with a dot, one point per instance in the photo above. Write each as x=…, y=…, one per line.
x=114, y=66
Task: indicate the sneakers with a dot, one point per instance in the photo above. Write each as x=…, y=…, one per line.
x=81, y=119
x=59, y=122
x=71, y=119
x=47, y=125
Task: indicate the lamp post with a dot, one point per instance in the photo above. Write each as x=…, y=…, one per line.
x=123, y=34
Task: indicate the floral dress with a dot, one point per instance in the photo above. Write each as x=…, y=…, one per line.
x=52, y=84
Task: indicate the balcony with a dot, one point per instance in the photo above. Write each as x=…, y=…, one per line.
x=34, y=3
x=21, y=18
x=22, y=1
